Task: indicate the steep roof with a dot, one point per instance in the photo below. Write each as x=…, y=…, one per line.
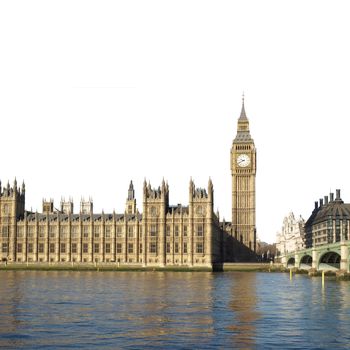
x=243, y=116
x=243, y=133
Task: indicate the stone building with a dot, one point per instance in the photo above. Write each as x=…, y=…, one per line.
x=292, y=237
x=162, y=235
x=329, y=221
x=243, y=171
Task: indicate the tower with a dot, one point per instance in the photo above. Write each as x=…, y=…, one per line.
x=12, y=201
x=243, y=171
x=155, y=207
x=130, y=206
x=67, y=207
x=86, y=207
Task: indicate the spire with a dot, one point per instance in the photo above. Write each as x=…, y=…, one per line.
x=243, y=115
x=144, y=187
x=23, y=187
x=131, y=192
x=210, y=185
x=243, y=134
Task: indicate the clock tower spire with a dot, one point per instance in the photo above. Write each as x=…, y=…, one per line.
x=243, y=171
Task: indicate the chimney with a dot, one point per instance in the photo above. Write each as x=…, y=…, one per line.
x=331, y=197
x=337, y=195
x=321, y=202
x=325, y=200
x=316, y=205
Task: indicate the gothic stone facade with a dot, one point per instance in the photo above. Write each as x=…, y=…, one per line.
x=162, y=235
x=292, y=237
x=243, y=170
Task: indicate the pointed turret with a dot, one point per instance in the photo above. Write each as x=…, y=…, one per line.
x=243, y=115
x=130, y=207
x=211, y=193
x=243, y=125
x=210, y=185
x=144, y=187
x=131, y=191
x=191, y=187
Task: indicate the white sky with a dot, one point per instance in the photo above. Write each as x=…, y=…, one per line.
x=95, y=93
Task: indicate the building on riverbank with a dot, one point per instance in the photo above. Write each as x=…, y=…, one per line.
x=292, y=236
x=162, y=235
x=329, y=222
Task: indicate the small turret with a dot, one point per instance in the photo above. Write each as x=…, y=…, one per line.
x=67, y=207
x=131, y=192
x=130, y=206
x=211, y=191
x=48, y=206
x=144, y=187
x=210, y=185
x=86, y=207
x=191, y=187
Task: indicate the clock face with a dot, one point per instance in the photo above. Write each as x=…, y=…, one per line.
x=243, y=160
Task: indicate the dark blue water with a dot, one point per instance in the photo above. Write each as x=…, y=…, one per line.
x=177, y=310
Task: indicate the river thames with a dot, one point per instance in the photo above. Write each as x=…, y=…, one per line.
x=177, y=310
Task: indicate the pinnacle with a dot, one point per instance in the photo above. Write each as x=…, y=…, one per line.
x=243, y=115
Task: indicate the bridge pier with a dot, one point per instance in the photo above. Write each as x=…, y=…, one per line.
x=314, y=259
x=344, y=257
x=297, y=260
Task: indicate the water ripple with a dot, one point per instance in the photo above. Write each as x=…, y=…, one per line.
x=157, y=310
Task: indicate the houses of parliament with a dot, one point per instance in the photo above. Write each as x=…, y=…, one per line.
x=163, y=235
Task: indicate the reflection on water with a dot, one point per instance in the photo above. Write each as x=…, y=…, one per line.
x=171, y=310
x=243, y=303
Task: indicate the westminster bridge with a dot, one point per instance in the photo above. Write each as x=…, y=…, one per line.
x=333, y=256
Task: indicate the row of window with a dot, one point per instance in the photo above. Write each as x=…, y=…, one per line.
x=96, y=248
x=63, y=230
x=199, y=230
x=329, y=224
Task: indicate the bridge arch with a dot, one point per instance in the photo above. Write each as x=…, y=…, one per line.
x=329, y=261
x=291, y=262
x=306, y=262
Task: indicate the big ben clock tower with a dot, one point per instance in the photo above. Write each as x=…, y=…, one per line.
x=243, y=171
